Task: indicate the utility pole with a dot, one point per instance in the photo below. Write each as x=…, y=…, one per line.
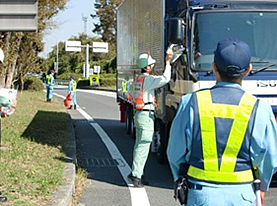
x=85, y=20
x=57, y=58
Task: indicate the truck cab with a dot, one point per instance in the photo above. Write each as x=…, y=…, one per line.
x=194, y=27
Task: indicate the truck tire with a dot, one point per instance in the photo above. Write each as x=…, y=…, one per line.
x=161, y=151
x=133, y=128
x=128, y=120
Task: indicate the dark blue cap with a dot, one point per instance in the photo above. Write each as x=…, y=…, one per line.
x=232, y=56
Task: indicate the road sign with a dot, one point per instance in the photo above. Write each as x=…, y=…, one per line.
x=94, y=80
x=73, y=46
x=96, y=69
x=99, y=47
x=90, y=71
x=18, y=15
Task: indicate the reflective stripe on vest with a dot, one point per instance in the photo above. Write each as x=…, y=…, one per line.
x=47, y=79
x=138, y=88
x=74, y=86
x=139, y=93
x=124, y=87
x=240, y=114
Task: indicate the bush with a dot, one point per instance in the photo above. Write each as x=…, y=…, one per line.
x=104, y=75
x=33, y=84
x=104, y=82
x=82, y=83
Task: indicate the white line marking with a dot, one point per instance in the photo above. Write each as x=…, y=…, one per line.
x=58, y=95
x=138, y=195
x=97, y=92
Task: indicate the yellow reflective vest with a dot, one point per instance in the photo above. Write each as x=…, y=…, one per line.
x=221, y=142
x=124, y=86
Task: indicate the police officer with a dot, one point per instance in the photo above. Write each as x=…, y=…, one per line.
x=143, y=96
x=49, y=85
x=222, y=133
x=72, y=88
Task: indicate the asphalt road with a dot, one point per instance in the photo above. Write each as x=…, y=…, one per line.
x=105, y=152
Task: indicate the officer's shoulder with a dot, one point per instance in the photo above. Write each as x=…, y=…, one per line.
x=187, y=97
x=264, y=105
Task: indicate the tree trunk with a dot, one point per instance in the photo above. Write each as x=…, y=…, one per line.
x=21, y=86
x=6, y=50
x=11, y=69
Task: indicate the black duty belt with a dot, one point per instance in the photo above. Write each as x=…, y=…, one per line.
x=194, y=186
x=146, y=110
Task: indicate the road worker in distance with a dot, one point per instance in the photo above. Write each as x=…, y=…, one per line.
x=72, y=88
x=222, y=133
x=50, y=82
x=144, y=103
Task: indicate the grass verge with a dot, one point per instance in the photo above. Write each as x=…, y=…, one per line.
x=80, y=183
x=36, y=138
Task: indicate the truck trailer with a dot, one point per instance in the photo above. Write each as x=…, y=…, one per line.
x=196, y=26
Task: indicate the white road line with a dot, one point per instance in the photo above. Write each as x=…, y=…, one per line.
x=138, y=195
x=58, y=95
x=97, y=92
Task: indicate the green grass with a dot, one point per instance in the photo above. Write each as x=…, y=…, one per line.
x=36, y=136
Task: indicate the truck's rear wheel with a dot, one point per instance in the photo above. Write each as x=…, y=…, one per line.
x=129, y=123
x=162, y=129
x=132, y=126
x=128, y=120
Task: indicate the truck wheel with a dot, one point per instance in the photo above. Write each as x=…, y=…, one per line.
x=161, y=150
x=132, y=126
x=161, y=154
x=128, y=119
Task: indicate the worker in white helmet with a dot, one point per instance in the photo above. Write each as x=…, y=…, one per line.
x=144, y=103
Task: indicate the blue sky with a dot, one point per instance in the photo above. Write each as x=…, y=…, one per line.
x=69, y=23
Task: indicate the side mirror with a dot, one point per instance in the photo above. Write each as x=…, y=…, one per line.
x=176, y=31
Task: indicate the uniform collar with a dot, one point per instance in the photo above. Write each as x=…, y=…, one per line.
x=227, y=84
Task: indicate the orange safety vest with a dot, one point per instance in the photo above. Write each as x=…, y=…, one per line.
x=139, y=92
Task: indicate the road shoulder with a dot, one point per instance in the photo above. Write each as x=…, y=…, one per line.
x=63, y=195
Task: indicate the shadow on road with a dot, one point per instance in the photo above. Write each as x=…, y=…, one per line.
x=93, y=156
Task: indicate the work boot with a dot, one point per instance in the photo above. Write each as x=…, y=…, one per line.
x=135, y=180
x=3, y=199
x=70, y=107
x=75, y=106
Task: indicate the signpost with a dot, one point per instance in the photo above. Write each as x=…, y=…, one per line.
x=97, y=47
x=100, y=47
x=96, y=69
x=73, y=46
x=18, y=15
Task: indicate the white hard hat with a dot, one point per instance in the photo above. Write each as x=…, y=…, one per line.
x=144, y=60
x=2, y=55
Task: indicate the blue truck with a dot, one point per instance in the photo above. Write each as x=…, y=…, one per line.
x=194, y=27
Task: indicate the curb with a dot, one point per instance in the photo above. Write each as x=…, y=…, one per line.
x=64, y=193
